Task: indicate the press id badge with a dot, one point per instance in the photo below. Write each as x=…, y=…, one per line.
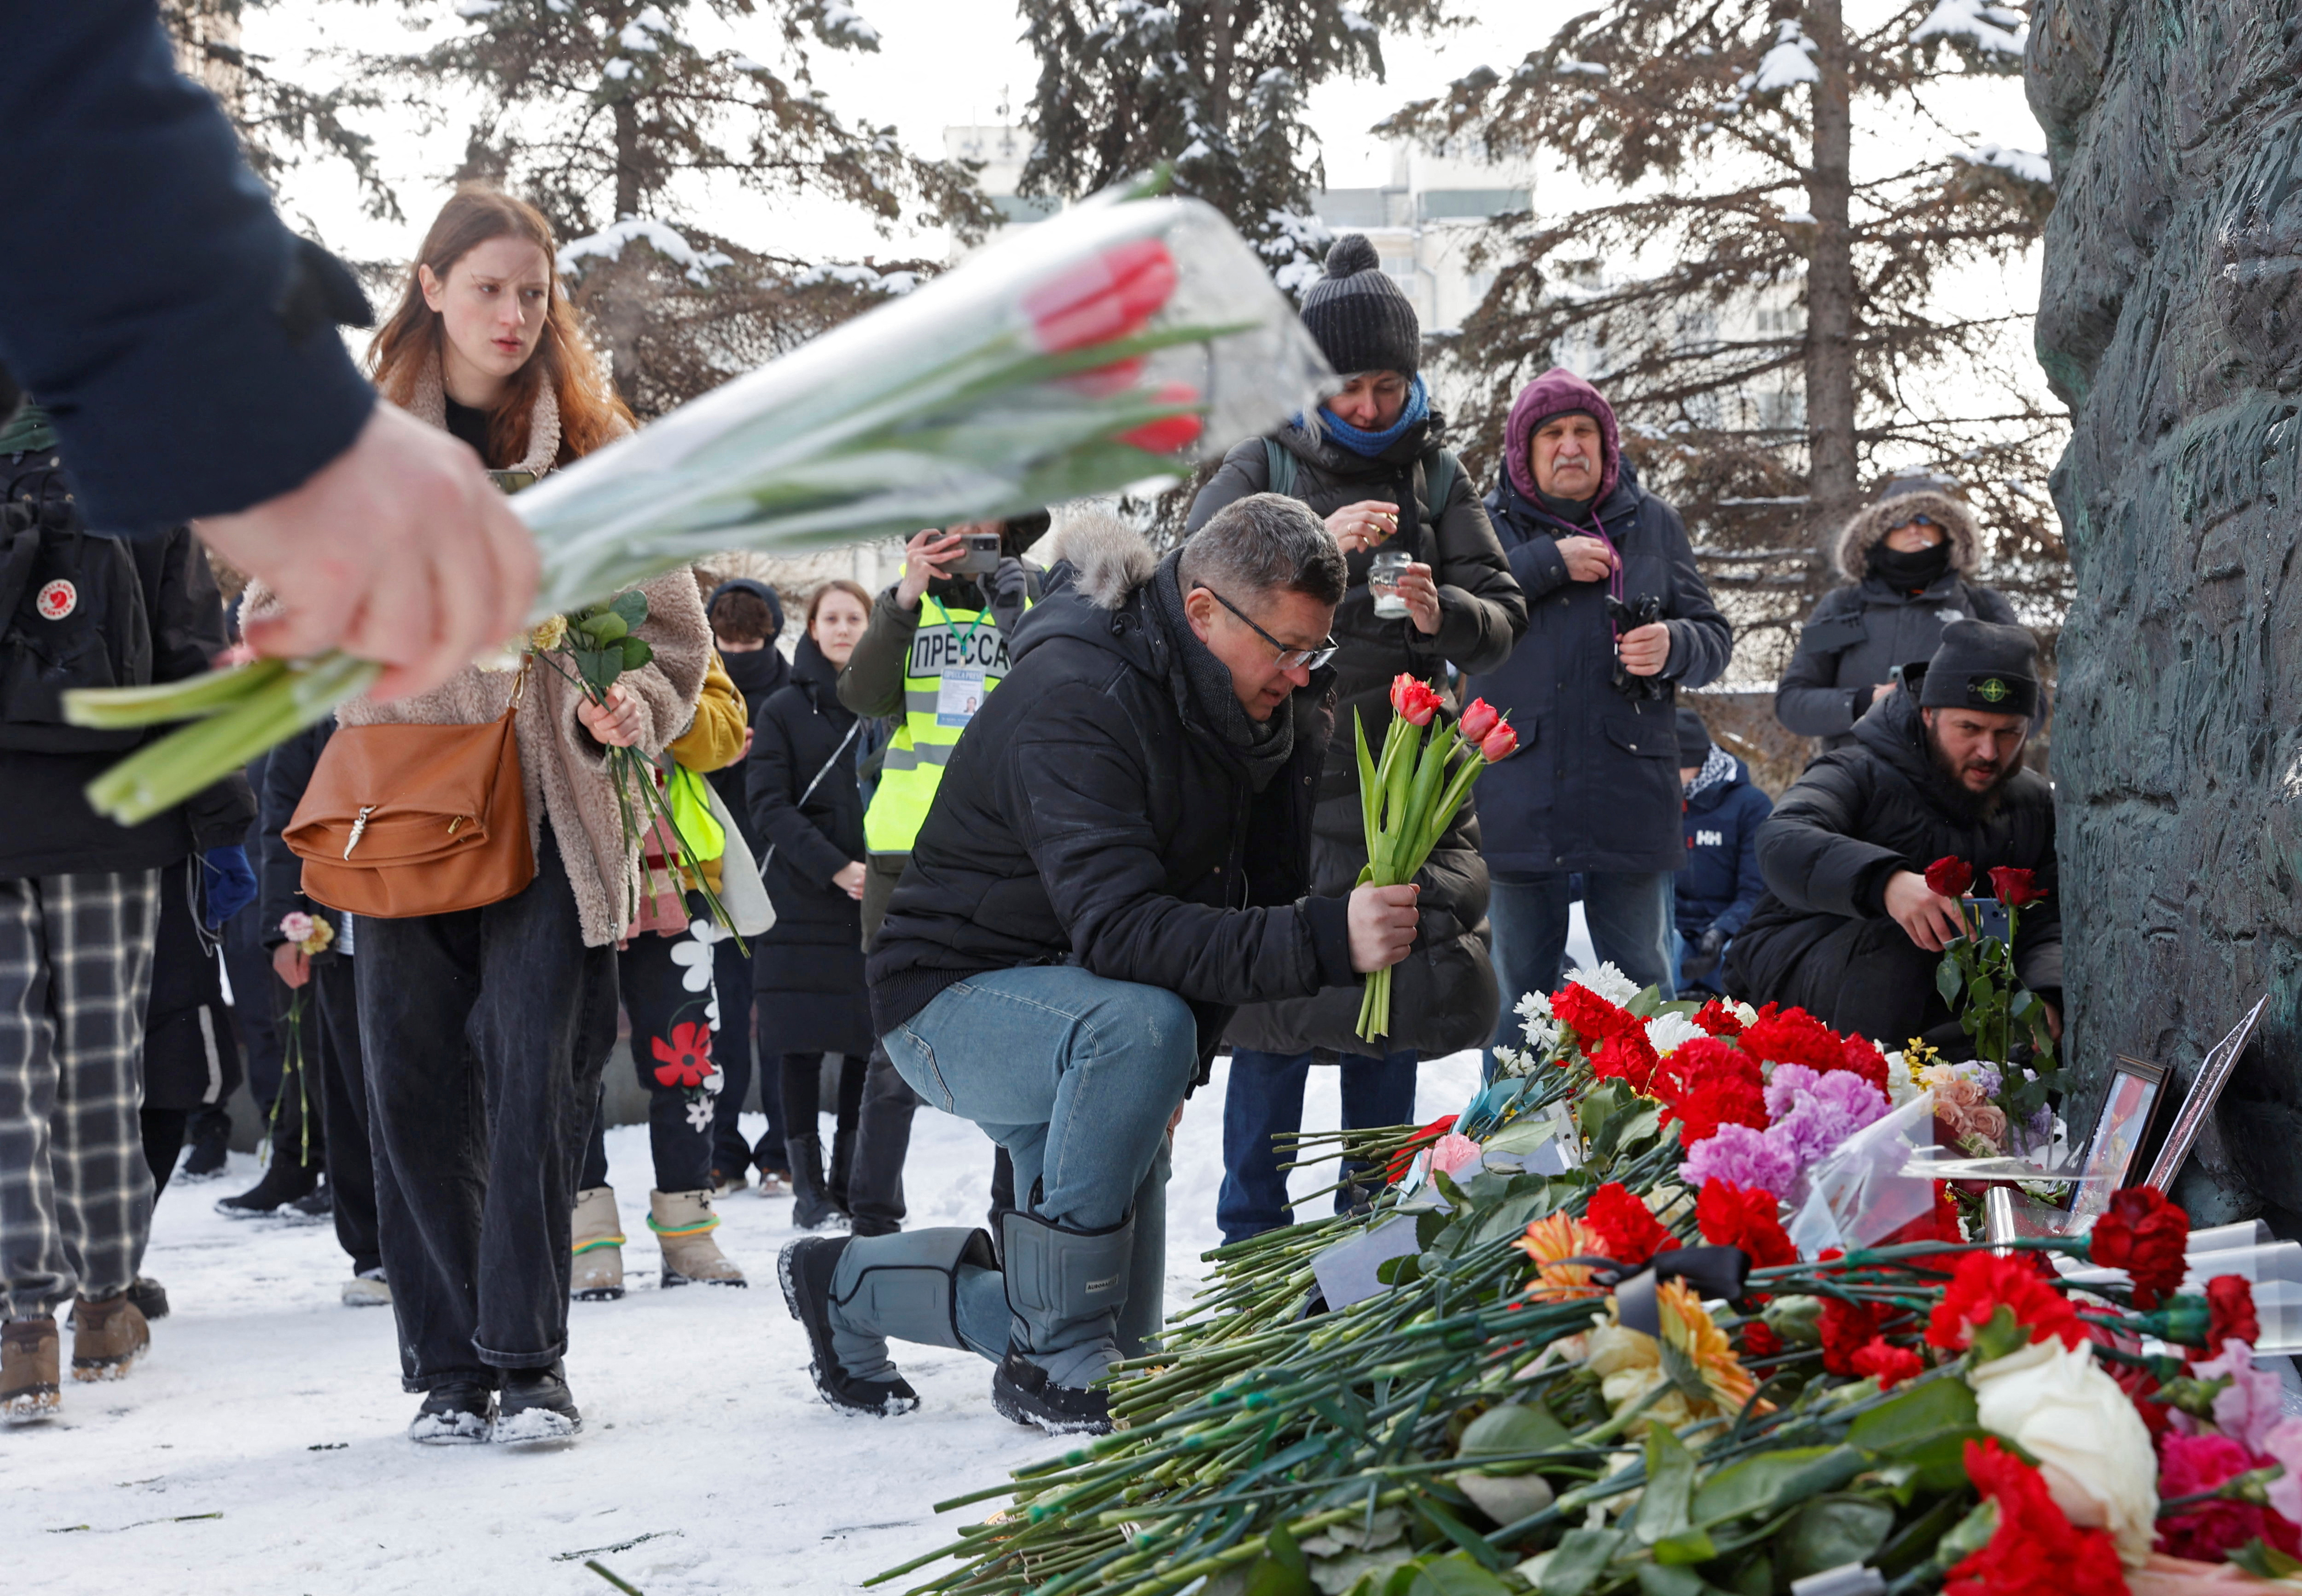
x=959, y=696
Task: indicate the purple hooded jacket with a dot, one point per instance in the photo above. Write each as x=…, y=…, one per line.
x=1557, y=393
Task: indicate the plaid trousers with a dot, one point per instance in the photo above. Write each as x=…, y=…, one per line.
x=75, y=1191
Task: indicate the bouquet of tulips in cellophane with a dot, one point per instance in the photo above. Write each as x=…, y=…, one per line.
x=1597, y=1375
x=1409, y=797
x=1097, y=349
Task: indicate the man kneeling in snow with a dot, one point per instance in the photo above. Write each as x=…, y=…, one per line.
x=1113, y=864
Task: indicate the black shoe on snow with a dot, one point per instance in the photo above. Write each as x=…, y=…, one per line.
x=282, y=1185
x=1021, y=1392
x=150, y=1297
x=211, y=1151
x=315, y=1206
x=537, y=1405
x=456, y=1414
x=805, y=1267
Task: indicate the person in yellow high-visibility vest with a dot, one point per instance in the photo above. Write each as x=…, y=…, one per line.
x=935, y=649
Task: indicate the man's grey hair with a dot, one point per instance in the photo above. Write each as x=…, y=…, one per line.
x=1263, y=543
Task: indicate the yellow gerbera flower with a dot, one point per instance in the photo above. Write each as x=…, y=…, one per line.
x=1692, y=1344
x=1548, y=1241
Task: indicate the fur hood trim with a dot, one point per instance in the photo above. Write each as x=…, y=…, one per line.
x=1869, y=526
x=429, y=405
x=1111, y=558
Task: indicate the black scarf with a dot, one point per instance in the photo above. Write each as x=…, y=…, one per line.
x=1911, y=573
x=1262, y=746
x=756, y=672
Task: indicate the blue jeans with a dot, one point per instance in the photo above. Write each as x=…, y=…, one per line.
x=1266, y=1099
x=1075, y=1075
x=1630, y=920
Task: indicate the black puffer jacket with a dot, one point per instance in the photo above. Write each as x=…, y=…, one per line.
x=191, y=1059
x=809, y=965
x=1444, y=994
x=1880, y=805
x=1090, y=816
x=758, y=674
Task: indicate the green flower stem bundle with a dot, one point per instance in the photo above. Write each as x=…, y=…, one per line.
x=1093, y=351
x=1409, y=797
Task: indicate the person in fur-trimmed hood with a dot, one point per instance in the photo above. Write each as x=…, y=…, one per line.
x=1910, y=560
x=1118, y=855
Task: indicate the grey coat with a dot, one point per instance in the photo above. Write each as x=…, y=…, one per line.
x=1444, y=995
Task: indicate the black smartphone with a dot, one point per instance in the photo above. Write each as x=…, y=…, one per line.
x=979, y=555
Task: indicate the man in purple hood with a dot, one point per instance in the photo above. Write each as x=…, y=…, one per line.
x=1618, y=620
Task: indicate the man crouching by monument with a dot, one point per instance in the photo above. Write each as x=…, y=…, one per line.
x=1115, y=861
x=1848, y=928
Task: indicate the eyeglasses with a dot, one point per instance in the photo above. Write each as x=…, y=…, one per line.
x=1289, y=658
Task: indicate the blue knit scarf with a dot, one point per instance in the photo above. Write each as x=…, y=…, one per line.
x=1417, y=408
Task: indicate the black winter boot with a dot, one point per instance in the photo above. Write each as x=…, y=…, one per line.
x=842, y=1164
x=457, y=1414
x=210, y=1136
x=536, y=1405
x=282, y=1184
x=811, y=1205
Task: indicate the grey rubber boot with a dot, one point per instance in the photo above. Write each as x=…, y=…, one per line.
x=1144, y=1315
x=933, y=1287
x=1064, y=1291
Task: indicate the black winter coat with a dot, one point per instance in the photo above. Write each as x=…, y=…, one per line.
x=191, y=1058
x=1860, y=632
x=1861, y=812
x=1444, y=995
x=809, y=965
x=162, y=585
x=1091, y=816
x=1594, y=784
x=279, y=873
x=1719, y=884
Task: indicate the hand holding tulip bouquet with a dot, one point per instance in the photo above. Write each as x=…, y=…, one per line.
x=1408, y=798
x=1073, y=357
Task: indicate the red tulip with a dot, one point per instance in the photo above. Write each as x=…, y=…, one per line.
x=1110, y=296
x=1413, y=702
x=1499, y=744
x=1478, y=720
x=1949, y=877
x=1169, y=433
x=1105, y=381
x=2016, y=889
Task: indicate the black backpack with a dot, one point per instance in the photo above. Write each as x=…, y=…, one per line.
x=72, y=610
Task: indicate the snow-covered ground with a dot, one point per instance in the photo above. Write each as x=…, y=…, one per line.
x=259, y=1449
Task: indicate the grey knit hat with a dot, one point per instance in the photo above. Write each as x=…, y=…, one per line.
x=1361, y=319
x=1982, y=665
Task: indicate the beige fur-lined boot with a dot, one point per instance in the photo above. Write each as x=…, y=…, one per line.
x=683, y=1223
x=598, y=1244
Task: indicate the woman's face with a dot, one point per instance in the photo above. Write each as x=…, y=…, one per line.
x=492, y=306
x=1914, y=536
x=839, y=622
x=1371, y=401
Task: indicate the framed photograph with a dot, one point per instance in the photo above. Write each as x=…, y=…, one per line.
x=2136, y=1086
x=2214, y=1074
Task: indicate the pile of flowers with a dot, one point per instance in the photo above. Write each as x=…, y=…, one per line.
x=1623, y=1376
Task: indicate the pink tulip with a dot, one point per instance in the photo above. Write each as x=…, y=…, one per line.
x=1499, y=744
x=1479, y=719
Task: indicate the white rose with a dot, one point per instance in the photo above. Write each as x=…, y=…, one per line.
x=2094, y=1449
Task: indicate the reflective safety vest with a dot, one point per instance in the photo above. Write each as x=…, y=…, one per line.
x=958, y=656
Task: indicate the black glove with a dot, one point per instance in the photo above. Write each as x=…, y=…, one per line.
x=1702, y=959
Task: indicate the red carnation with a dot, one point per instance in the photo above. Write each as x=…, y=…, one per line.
x=1631, y=1231
x=1718, y=1017
x=1628, y=1056
x=1794, y=1037
x=1891, y=1363
x=2145, y=1235
x=1403, y=1160
x=1732, y=1215
x=1984, y=1284
x=1719, y=1100
x=1858, y=1057
x=2140, y=1386
x=2035, y=1550
x=1847, y=1328
x=1949, y=877
x=1759, y=1337
x=2016, y=889
x=2229, y=1314
x=2210, y=1531
x=686, y=1059
x=1590, y=1017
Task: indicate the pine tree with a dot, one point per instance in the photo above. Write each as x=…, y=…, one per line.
x=605, y=112
x=1215, y=87
x=1762, y=295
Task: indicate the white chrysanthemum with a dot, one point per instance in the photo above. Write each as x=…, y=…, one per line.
x=1667, y=1033
x=1900, y=1088
x=1608, y=983
x=1534, y=1005
x=1541, y=1037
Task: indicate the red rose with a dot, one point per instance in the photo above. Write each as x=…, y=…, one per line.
x=1732, y=1215
x=1109, y=298
x=1501, y=744
x=1983, y=1285
x=1480, y=718
x=1631, y=1231
x=1847, y=1327
x=685, y=1058
x=1590, y=1017
x=2210, y=1531
x=1403, y=1160
x=1891, y=1363
x=1949, y=877
x=2035, y=1550
x=2016, y=889
x=1628, y=1056
x=1169, y=433
x=1718, y=1017
x=2145, y=1235
x=2230, y=1312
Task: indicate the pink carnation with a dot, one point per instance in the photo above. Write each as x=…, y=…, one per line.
x=296, y=927
x=1743, y=1157
x=1450, y=1153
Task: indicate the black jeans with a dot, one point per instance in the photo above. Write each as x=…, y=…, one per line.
x=344, y=1105
x=164, y=1139
x=733, y=971
x=483, y=1031
x=883, y=1140
x=1868, y=976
